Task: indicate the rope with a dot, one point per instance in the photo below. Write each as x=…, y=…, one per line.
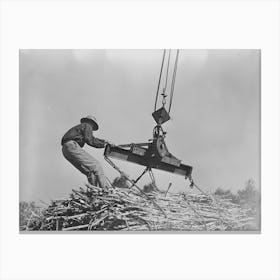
x=173, y=81
x=159, y=81
x=166, y=80
x=164, y=90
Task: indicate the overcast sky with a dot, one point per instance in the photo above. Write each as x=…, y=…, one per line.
x=215, y=124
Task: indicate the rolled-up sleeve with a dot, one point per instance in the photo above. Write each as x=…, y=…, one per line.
x=90, y=140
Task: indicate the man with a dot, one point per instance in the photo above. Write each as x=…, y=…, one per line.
x=72, y=143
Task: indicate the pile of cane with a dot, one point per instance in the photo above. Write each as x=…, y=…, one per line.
x=92, y=208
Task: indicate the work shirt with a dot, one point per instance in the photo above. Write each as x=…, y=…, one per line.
x=82, y=134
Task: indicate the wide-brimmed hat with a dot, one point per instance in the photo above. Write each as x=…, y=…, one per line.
x=92, y=120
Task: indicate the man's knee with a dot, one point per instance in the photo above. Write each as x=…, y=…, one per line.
x=92, y=179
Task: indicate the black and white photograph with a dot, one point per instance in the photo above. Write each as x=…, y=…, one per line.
x=140, y=140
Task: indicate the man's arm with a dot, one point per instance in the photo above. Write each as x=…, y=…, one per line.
x=92, y=141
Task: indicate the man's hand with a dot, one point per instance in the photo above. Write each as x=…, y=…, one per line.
x=110, y=143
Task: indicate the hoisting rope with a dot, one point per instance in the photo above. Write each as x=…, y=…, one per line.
x=166, y=65
x=173, y=81
x=164, y=95
x=159, y=81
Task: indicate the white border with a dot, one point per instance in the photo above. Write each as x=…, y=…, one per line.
x=156, y=24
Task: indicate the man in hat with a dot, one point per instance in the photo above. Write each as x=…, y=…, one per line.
x=72, y=143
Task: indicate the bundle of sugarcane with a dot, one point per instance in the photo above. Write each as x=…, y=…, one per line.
x=92, y=208
x=199, y=212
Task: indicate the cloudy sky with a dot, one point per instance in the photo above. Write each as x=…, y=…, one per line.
x=215, y=125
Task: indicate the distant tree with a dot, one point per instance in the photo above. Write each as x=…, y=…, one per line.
x=249, y=196
x=227, y=194
x=220, y=191
x=120, y=182
x=26, y=210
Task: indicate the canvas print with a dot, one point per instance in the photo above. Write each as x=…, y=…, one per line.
x=148, y=140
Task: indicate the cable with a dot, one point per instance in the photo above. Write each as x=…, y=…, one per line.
x=165, y=68
x=166, y=79
x=159, y=81
x=173, y=80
